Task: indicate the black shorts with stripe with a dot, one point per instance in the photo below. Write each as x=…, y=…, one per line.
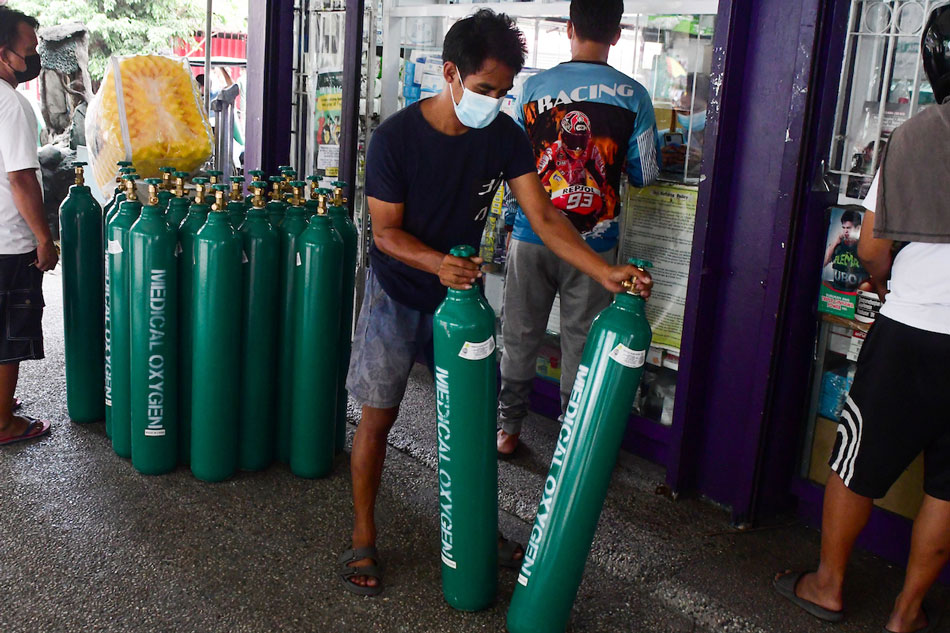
x=21, y=308
x=898, y=407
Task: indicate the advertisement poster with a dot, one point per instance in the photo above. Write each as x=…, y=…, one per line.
x=658, y=226
x=846, y=290
x=328, y=104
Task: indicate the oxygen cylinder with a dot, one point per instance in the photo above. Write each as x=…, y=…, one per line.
x=120, y=279
x=237, y=209
x=80, y=218
x=466, y=402
x=196, y=218
x=217, y=346
x=257, y=175
x=178, y=205
x=289, y=230
x=348, y=233
x=113, y=206
x=312, y=205
x=258, y=333
x=276, y=207
x=316, y=347
x=165, y=194
x=154, y=364
x=124, y=167
x=607, y=380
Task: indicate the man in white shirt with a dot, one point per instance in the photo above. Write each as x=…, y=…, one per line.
x=899, y=403
x=26, y=245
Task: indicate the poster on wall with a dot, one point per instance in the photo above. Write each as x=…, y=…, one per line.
x=846, y=288
x=328, y=104
x=658, y=226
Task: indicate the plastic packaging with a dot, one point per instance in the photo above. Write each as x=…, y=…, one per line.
x=147, y=110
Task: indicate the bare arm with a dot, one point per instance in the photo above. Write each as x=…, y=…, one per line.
x=558, y=234
x=390, y=238
x=28, y=199
x=875, y=255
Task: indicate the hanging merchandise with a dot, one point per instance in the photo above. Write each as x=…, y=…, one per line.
x=290, y=228
x=350, y=236
x=80, y=218
x=257, y=175
x=178, y=205
x=107, y=215
x=154, y=339
x=316, y=349
x=258, y=333
x=165, y=191
x=147, y=111
x=276, y=207
x=217, y=346
x=466, y=404
x=237, y=208
x=187, y=231
x=587, y=445
x=120, y=322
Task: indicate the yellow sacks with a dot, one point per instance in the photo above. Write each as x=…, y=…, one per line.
x=147, y=110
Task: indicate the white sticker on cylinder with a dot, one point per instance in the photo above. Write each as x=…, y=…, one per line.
x=299, y=262
x=628, y=357
x=478, y=351
x=115, y=247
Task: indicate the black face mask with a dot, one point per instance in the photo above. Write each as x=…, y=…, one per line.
x=32, y=67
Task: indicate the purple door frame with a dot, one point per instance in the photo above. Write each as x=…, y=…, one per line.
x=270, y=51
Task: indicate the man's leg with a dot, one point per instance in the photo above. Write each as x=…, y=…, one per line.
x=530, y=287
x=929, y=551
x=844, y=515
x=9, y=424
x=366, y=470
x=582, y=299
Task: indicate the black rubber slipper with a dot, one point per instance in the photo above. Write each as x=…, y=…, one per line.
x=785, y=586
x=348, y=571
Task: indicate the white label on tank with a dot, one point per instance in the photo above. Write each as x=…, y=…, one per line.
x=154, y=432
x=628, y=357
x=115, y=247
x=478, y=351
x=244, y=258
x=298, y=260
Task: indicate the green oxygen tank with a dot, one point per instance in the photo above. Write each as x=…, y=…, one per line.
x=120, y=279
x=276, y=207
x=348, y=233
x=312, y=205
x=290, y=228
x=258, y=333
x=107, y=215
x=154, y=377
x=80, y=218
x=216, y=358
x=316, y=347
x=187, y=232
x=607, y=380
x=466, y=402
x=178, y=205
x=237, y=209
x=257, y=175
x=165, y=193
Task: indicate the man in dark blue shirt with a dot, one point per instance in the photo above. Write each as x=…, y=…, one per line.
x=431, y=173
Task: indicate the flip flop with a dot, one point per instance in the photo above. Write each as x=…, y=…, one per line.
x=34, y=429
x=348, y=571
x=506, y=553
x=785, y=585
x=933, y=619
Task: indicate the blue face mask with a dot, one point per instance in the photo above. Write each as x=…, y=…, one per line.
x=475, y=110
x=693, y=123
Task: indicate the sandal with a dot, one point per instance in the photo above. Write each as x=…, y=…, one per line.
x=34, y=429
x=785, y=585
x=506, y=552
x=348, y=571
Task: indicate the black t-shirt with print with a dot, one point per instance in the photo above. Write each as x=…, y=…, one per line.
x=446, y=184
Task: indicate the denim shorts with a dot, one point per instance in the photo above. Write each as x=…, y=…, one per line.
x=21, y=308
x=389, y=338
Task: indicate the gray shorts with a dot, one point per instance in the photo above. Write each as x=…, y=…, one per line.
x=389, y=338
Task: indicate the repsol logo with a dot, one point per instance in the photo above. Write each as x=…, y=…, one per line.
x=584, y=93
x=157, y=332
x=553, y=481
x=445, y=478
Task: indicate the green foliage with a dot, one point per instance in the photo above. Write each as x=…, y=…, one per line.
x=121, y=27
